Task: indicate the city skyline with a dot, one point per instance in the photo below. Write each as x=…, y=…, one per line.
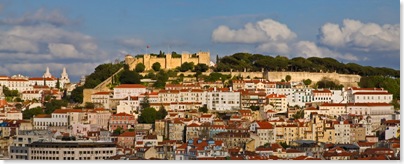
x=80, y=36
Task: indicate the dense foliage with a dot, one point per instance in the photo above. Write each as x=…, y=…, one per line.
x=388, y=83
x=101, y=73
x=186, y=66
x=162, y=113
x=29, y=113
x=129, y=77
x=148, y=116
x=327, y=83
x=203, y=109
x=255, y=62
x=53, y=105
x=140, y=67
x=156, y=66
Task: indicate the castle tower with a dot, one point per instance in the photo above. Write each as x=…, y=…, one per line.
x=47, y=74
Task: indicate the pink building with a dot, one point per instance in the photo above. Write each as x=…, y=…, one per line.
x=122, y=120
x=126, y=139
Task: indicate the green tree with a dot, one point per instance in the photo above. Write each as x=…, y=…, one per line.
x=156, y=66
x=145, y=103
x=162, y=113
x=203, y=109
x=307, y=82
x=118, y=130
x=298, y=114
x=89, y=105
x=29, y=113
x=288, y=78
x=18, y=106
x=201, y=68
x=77, y=95
x=140, y=67
x=186, y=66
x=53, y=105
x=101, y=73
x=148, y=116
x=130, y=77
x=284, y=145
x=254, y=108
x=162, y=78
x=57, y=83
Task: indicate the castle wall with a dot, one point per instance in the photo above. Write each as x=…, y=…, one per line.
x=168, y=62
x=344, y=79
x=204, y=57
x=154, y=59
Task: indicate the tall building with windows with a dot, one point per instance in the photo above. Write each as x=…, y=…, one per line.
x=70, y=150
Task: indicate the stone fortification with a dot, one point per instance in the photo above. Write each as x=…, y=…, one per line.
x=345, y=79
x=168, y=62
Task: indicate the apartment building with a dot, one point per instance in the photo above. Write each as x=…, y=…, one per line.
x=101, y=98
x=222, y=99
x=70, y=150
x=125, y=90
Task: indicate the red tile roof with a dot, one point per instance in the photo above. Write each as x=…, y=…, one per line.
x=275, y=96
x=102, y=93
x=128, y=134
x=372, y=93
x=131, y=86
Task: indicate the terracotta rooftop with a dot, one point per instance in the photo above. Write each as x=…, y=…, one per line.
x=131, y=86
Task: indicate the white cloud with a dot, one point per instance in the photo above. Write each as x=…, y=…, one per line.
x=270, y=35
x=309, y=49
x=17, y=44
x=40, y=39
x=281, y=48
x=63, y=50
x=263, y=31
x=360, y=36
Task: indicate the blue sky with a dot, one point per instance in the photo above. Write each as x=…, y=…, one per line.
x=80, y=35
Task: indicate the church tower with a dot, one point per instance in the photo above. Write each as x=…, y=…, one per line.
x=64, y=78
x=47, y=74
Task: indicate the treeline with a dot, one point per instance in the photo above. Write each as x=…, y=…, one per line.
x=101, y=73
x=255, y=62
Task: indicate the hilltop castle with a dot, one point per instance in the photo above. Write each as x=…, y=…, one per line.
x=168, y=62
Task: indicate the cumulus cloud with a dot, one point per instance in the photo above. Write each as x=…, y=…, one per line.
x=355, y=35
x=34, y=41
x=270, y=35
x=263, y=31
x=63, y=50
x=310, y=49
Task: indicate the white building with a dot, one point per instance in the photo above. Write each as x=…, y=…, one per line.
x=333, y=109
x=19, y=84
x=168, y=96
x=372, y=97
x=101, y=98
x=222, y=99
x=351, y=97
x=321, y=96
x=32, y=94
x=129, y=106
x=376, y=111
x=18, y=149
x=278, y=102
x=342, y=132
x=125, y=90
x=70, y=150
